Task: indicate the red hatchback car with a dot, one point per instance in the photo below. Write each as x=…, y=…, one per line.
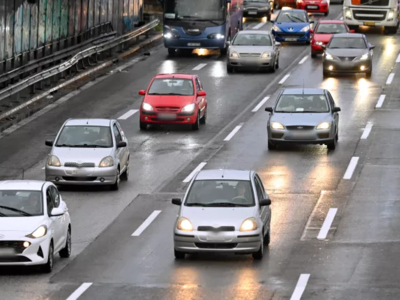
x=173, y=99
x=314, y=6
x=323, y=32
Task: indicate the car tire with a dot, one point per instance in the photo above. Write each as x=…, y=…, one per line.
x=277, y=63
x=273, y=69
x=326, y=14
x=229, y=69
x=267, y=238
x=269, y=17
x=171, y=51
x=325, y=73
x=143, y=125
x=332, y=144
x=66, y=251
x=260, y=253
x=203, y=119
x=196, y=125
x=353, y=27
x=271, y=146
x=179, y=254
x=115, y=186
x=48, y=267
x=308, y=43
x=368, y=74
x=313, y=55
x=125, y=175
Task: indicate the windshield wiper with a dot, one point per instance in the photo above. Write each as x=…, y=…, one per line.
x=3, y=215
x=66, y=145
x=16, y=210
x=93, y=146
x=295, y=18
x=196, y=204
x=226, y=204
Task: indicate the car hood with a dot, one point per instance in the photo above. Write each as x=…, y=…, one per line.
x=296, y=26
x=306, y=119
x=217, y=216
x=324, y=37
x=10, y=225
x=166, y=100
x=347, y=52
x=81, y=155
x=251, y=49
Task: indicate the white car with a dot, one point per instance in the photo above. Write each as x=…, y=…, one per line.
x=34, y=224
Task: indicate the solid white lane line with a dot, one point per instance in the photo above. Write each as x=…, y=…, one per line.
x=303, y=60
x=398, y=58
x=79, y=291
x=300, y=287
x=380, y=101
x=367, y=131
x=327, y=224
x=260, y=104
x=199, y=67
x=198, y=168
x=284, y=79
x=128, y=114
x=146, y=223
x=390, y=78
x=258, y=26
x=350, y=169
x=236, y=129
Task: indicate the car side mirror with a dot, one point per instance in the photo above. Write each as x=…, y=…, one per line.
x=49, y=143
x=121, y=145
x=311, y=22
x=228, y=42
x=352, y=31
x=269, y=109
x=201, y=94
x=371, y=46
x=311, y=31
x=277, y=44
x=323, y=46
x=177, y=201
x=265, y=202
x=272, y=21
x=142, y=92
x=57, y=211
x=336, y=109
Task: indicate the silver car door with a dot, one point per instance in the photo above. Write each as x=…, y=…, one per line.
x=56, y=226
x=265, y=210
x=124, y=138
x=119, y=152
x=260, y=197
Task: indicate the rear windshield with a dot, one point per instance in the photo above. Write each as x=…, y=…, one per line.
x=302, y=104
x=347, y=42
x=183, y=87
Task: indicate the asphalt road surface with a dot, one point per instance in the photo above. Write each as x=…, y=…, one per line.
x=350, y=194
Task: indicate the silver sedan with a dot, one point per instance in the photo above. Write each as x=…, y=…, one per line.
x=253, y=49
x=88, y=152
x=307, y=116
x=223, y=211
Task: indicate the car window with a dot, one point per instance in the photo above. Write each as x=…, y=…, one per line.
x=20, y=203
x=197, y=85
x=117, y=134
x=220, y=193
x=291, y=17
x=85, y=137
x=259, y=190
x=55, y=196
x=302, y=104
x=178, y=87
x=347, y=42
x=331, y=28
x=246, y=39
x=49, y=200
x=332, y=102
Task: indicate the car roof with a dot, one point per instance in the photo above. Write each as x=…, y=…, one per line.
x=254, y=32
x=90, y=122
x=223, y=174
x=348, y=35
x=175, y=75
x=303, y=91
x=25, y=185
x=296, y=10
x=331, y=22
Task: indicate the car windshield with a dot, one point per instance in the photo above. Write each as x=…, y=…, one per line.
x=331, y=28
x=302, y=104
x=220, y=193
x=291, y=17
x=246, y=39
x=181, y=87
x=18, y=203
x=204, y=10
x=256, y=1
x=85, y=137
x=347, y=42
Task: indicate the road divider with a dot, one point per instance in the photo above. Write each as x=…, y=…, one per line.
x=262, y=102
x=146, y=223
x=380, y=101
x=79, y=291
x=198, y=168
x=367, y=131
x=327, y=224
x=300, y=287
x=233, y=132
x=284, y=79
x=303, y=60
x=350, y=169
x=128, y=114
x=199, y=67
x=390, y=78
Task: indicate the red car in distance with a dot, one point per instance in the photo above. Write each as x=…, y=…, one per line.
x=323, y=32
x=314, y=6
x=173, y=99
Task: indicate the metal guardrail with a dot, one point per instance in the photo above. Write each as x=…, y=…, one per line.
x=87, y=53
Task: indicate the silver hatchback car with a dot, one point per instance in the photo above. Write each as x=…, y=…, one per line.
x=88, y=152
x=307, y=116
x=223, y=211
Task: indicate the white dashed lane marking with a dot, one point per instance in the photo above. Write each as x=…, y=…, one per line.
x=198, y=168
x=128, y=114
x=146, y=223
x=78, y=292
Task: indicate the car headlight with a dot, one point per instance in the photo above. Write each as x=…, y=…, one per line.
x=306, y=28
x=266, y=55
x=147, y=106
x=249, y=224
x=171, y=35
x=189, y=107
x=319, y=43
x=276, y=125
x=347, y=13
x=184, y=224
x=391, y=15
x=234, y=54
x=276, y=28
x=38, y=233
x=364, y=57
x=106, y=162
x=53, y=161
x=328, y=56
x=324, y=125
x=216, y=36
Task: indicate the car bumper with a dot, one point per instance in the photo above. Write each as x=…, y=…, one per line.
x=228, y=242
x=286, y=37
x=347, y=67
x=245, y=62
x=256, y=13
x=317, y=49
x=181, y=118
x=194, y=43
x=82, y=176
x=35, y=254
x=320, y=7
x=300, y=136
x=353, y=21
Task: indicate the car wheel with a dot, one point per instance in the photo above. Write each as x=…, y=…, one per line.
x=66, y=251
x=277, y=62
x=332, y=144
x=313, y=55
x=143, y=125
x=203, y=120
x=48, y=267
x=115, y=186
x=229, y=69
x=269, y=17
x=325, y=73
x=125, y=175
x=353, y=27
x=260, y=253
x=308, y=43
x=368, y=74
x=267, y=238
x=225, y=50
x=271, y=146
x=171, y=51
x=179, y=254
x=326, y=14
x=196, y=125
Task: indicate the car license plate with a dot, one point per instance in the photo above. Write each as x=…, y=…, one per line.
x=369, y=23
x=312, y=6
x=194, y=44
x=290, y=39
x=252, y=12
x=167, y=116
x=75, y=171
x=6, y=251
x=215, y=238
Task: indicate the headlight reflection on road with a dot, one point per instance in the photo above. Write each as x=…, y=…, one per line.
x=362, y=90
x=246, y=285
x=168, y=66
x=218, y=69
x=389, y=47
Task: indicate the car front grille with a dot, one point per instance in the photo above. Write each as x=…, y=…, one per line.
x=167, y=108
x=290, y=35
x=374, y=3
x=14, y=259
x=369, y=15
x=300, y=127
x=81, y=165
x=343, y=58
x=74, y=178
x=16, y=245
x=216, y=229
x=250, y=54
x=323, y=135
x=277, y=135
x=216, y=245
